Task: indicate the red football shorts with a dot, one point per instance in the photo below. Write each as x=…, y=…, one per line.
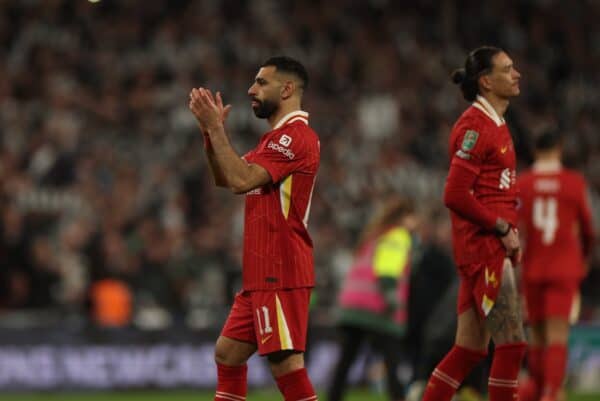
x=548, y=299
x=273, y=320
x=480, y=284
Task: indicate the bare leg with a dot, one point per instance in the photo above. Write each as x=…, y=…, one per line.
x=537, y=334
x=232, y=352
x=231, y=356
x=471, y=331
x=291, y=377
x=284, y=362
x=556, y=331
x=506, y=325
x=505, y=321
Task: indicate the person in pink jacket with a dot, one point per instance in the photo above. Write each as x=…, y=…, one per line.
x=373, y=297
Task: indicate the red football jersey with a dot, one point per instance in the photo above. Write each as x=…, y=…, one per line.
x=556, y=222
x=480, y=141
x=278, y=251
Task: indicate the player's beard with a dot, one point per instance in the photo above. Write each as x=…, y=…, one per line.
x=265, y=108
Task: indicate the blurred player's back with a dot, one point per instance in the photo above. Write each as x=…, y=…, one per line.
x=555, y=220
x=557, y=225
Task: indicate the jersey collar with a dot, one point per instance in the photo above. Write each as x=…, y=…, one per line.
x=547, y=166
x=296, y=115
x=484, y=106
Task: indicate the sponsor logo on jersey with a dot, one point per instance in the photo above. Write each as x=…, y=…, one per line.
x=285, y=151
x=504, y=149
x=508, y=177
x=469, y=140
x=285, y=140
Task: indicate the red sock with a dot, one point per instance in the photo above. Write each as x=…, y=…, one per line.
x=530, y=390
x=535, y=355
x=555, y=363
x=503, y=382
x=231, y=383
x=296, y=386
x=450, y=372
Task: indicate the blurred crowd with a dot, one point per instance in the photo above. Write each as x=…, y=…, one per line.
x=105, y=193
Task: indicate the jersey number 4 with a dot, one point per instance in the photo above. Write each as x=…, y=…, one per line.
x=545, y=218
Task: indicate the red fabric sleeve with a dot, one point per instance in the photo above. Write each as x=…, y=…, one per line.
x=459, y=199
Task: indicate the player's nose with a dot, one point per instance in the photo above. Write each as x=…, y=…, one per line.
x=252, y=90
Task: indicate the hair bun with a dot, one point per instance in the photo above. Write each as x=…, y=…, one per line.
x=459, y=75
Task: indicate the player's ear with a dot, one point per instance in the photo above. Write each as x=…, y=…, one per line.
x=287, y=89
x=485, y=82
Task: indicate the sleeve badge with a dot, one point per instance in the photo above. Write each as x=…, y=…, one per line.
x=469, y=140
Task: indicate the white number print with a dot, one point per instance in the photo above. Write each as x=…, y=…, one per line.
x=545, y=218
x=266, y=328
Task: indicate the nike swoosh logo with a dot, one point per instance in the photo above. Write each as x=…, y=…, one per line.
x=503, y=149
x=265, y=339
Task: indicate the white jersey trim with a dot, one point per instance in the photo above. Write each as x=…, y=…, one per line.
x=484, y=106
x=296, y=115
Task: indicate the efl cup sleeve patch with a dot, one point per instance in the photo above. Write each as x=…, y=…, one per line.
x=468, y=143
x=469, y=140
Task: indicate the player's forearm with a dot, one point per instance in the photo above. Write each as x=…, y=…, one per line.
x=218, y=176
x=458, y=198
x=232, y=171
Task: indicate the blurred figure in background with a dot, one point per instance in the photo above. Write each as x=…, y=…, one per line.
x=277, y=177
x=557, y=228
x=432, y=272
x=481, y=195
x=373, y=298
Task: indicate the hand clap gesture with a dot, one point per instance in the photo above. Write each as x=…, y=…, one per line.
x=208, y=110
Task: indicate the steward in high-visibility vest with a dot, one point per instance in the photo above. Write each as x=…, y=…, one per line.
x=375, y=291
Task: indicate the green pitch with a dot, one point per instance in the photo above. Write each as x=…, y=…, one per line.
x=354, y=395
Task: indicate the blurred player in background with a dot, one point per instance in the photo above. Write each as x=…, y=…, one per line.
x=270, y=314
x=556, y=224
x=481, y=195
x=373, y=297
